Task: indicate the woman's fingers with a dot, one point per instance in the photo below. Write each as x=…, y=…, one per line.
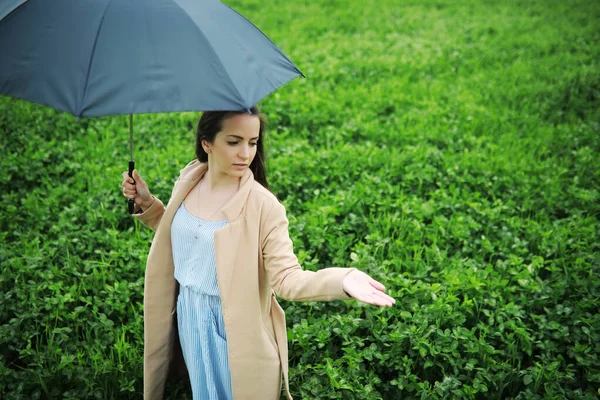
x=375, y=297
x=377, y=300
x=127, y=181
x=367, y=298
x=138, y=179
x=379, y=296
x=379, y=293
x=135, y=188
x=129, y=189
x=387, y=300
x=129, y=193
x=376, y=285
x=366, y=289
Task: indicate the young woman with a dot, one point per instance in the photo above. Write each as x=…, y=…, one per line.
x=220, y=254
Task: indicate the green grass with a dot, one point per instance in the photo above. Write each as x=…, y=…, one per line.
x=450, y=149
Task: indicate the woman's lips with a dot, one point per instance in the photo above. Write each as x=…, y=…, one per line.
x=240, y=166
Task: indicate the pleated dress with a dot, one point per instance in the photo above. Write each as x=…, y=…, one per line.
x=199, y=313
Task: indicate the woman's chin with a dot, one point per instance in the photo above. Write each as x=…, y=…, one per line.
x=235, y=173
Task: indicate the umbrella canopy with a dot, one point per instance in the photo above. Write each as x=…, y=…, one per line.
x=109, y=57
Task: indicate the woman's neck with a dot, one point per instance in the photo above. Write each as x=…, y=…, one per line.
x=215, y=181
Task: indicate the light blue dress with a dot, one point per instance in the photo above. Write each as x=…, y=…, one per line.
x=199, y=314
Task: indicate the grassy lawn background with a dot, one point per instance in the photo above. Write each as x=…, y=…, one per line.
x=450, y=149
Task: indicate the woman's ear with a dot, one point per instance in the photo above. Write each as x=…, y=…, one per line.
x=206, y=146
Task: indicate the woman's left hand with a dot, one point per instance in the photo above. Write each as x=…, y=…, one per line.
x=366, y=289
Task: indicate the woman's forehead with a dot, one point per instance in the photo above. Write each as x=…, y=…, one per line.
x=245, y=125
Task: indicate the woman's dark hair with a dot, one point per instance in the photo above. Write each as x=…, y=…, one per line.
x=211, y=123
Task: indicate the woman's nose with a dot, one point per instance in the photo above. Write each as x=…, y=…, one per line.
x=245, y=151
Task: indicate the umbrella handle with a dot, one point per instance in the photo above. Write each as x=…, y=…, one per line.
x=131, y=202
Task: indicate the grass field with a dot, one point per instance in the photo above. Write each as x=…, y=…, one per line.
x=450, y=149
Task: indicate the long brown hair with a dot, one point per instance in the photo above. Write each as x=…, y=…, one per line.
x=211, y=123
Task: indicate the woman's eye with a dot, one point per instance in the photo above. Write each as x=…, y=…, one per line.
x=234, y=143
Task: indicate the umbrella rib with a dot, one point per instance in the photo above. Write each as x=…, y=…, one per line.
x=11, y=11
x=87, y=75
x=239, y=95
x=268, y=38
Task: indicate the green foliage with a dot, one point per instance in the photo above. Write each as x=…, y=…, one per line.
x=448, y=149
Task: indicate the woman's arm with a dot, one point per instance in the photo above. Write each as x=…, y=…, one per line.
x=150, y=216
x=292, y=283
x=283, y=271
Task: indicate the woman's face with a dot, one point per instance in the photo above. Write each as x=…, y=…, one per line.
x=234, y=147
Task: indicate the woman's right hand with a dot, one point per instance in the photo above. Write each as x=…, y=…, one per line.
x=138, y=190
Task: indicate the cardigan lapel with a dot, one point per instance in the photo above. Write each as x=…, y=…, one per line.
x=227, y=237
x=180, y=191
x=226, y=243
x=232, y=208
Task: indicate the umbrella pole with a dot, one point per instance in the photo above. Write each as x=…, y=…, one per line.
x=131, y=202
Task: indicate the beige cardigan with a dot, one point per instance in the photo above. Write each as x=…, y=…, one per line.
x=254, y=257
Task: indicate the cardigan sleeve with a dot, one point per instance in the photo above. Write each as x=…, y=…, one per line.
x=152, y=215
x=283, y=271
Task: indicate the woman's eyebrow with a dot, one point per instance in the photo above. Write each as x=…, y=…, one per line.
x=241, y=138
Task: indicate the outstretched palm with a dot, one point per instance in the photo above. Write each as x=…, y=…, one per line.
x=366, y=289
